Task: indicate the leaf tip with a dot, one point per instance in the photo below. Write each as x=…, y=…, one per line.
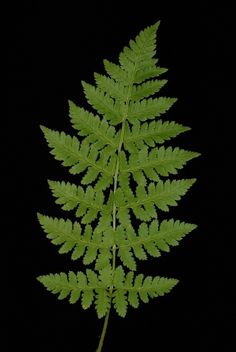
x=43, y=128
x=39, y=216
x=40, y=279
x=175, y=282
x=50, y=183
x=156, y=25
x=71, y=104
x=84, y=84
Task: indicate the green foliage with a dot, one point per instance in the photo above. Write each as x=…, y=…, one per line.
x=88, y=203
x=162, y=195
x=150, y=239
x=124, y=173
x=95, y=129
x=88, y=244
x=159, y=161
x=150, y=134
x=91, y=287
x=82, y=156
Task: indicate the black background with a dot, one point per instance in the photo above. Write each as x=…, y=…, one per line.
x=51, y=49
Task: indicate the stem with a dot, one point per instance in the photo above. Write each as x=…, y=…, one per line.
x=104, y=329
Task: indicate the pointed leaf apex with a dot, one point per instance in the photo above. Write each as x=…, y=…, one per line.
x=43, y=128
x=157, y=24
x=40, y=279
x=175, y=281
x=39, y=216
x=71, y=104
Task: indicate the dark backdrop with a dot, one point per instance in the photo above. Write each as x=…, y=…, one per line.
x=51, y=49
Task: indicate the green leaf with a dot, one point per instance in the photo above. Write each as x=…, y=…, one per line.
x=102, y=302
x=116, y=72
x=82, y=156
x=159, y=161
x=109, y=86
x=88, y=202
x=68, y=195
x=162, y=195
x=92, y=277
x=133, y=298
x=139, y=251
x=124, y=216
x=87, y=299
x=117, y=148
x=120, y=302
x=150, y=134
x=127, y=258
x=147, y=89
x=77, y=284
x=104, y=104
x=103, y=259
x=119, y=296
x=149, y=108
x=137, y=61
x=152, y=239
x=92, y=127
x=119, y=277
x=69, y=236
x=149, y=72
x=167, y=193
x=90, y=255
x=171, y=232
x=64, y=147
x=105, y=276
x=140, y=52
x=141, y=288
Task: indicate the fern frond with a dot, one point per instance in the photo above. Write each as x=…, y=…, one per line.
x=116, y=72
x=108, y=85
x=91, y=126
x=130, y=289
x=149, y=72
x=88, y=202
x=119, y=75
x=117, y=148
x=142, y=134
x=162, y=195
x=161, y=161
x=147, y=89
x=82, y=157
x=90, y=287
x=137, y=62
x=69, y=236
x=149, y=108
x=103, y=103
x=141, y=51
x=64, y=147
x=124, y=251
x=150, y=239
